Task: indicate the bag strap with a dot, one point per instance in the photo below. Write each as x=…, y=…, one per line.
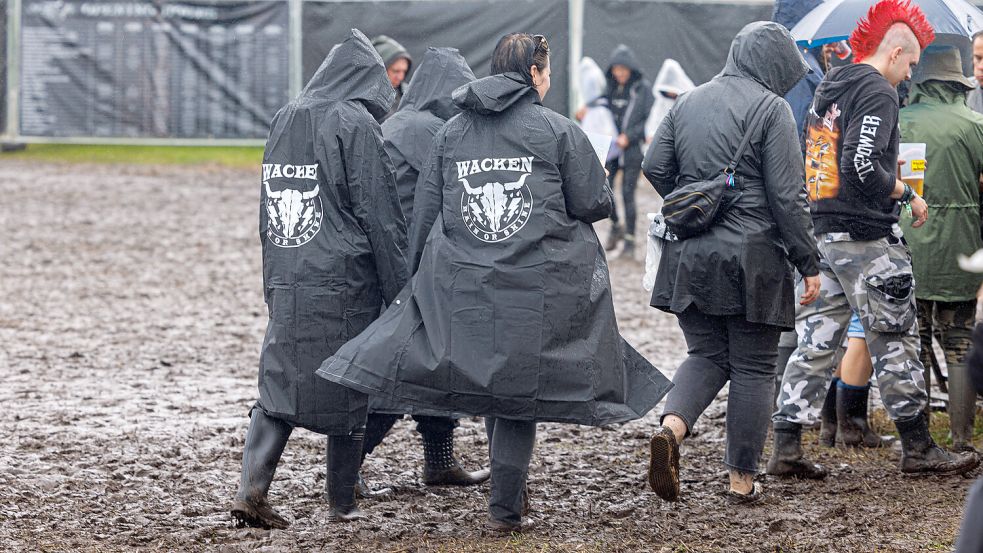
x=752, y=126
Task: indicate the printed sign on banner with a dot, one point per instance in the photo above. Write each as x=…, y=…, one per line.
x=142, y=68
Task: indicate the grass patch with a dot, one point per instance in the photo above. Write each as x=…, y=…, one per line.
x=231, y=156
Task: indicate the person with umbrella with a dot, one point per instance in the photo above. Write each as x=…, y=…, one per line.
x=865, y=265
x=975, y=98
x=509, y=313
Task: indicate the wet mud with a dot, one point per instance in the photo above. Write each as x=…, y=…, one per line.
x=130, y=322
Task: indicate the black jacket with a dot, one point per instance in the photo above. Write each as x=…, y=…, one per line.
x=639, y=97
x=739, y=266
x=332, y=234
x=852, y=140
x=424, y=109
x=509, y=312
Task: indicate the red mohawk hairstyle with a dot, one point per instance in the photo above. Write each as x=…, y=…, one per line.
x=870, y=31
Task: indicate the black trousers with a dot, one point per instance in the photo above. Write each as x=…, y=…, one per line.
x=632, y=168
x=377, y=425
x=510, y=445
x=722, y=349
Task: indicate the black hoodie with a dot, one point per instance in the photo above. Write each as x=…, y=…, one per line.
x=852, y=141
x=630, y=104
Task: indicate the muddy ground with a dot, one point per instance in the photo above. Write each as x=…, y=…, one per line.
x=130, y=322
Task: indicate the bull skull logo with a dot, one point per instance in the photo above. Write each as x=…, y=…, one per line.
x=495, y=211
x=294, y=216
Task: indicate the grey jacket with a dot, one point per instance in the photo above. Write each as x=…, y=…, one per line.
x=741, y=264
x=975, y=99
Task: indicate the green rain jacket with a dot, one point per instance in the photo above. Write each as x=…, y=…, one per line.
x=953, y=135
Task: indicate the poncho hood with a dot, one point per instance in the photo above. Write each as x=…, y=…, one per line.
x=766, y=53
x=442, y=71
x=494, y=94
x=352, y=70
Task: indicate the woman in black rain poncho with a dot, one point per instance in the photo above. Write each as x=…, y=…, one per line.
x=509, y=314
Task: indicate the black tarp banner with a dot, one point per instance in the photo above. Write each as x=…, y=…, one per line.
x=142, y=68
x=471, y=26
x=697, y=35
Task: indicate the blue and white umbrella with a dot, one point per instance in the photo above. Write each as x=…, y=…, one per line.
x=834, y=20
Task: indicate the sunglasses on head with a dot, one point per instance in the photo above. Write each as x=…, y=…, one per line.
x=541, y=44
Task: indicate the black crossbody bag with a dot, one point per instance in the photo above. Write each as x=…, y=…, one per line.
x=693, y=208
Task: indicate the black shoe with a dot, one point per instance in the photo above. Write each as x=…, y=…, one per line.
x=851, y=415
x=441, y=468
x=617, y=233
x=364, y=491
x=344, y=460
x=265, y=440
x=786, y=460
x=827, y=432
x=664, y=464
x=256, y=514
x=756, y=496
x=921, y=455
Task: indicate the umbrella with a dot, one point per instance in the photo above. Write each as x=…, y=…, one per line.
x=834, y=20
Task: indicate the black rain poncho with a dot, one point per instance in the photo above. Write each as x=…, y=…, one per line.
x=424, y=109
x=509, y=313
x=740, y=266
x=332, y=234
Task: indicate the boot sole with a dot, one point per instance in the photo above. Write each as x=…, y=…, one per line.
x=663, y=472
x=951, y=472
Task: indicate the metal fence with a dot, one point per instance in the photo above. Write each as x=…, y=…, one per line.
x=213, y=72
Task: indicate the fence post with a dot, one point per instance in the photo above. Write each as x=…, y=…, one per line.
x=576, y=8
x=295, y=30
x=12, y=131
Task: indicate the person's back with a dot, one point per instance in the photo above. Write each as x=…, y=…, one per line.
x=953, y=135
x=728, y=270
x=424, y=109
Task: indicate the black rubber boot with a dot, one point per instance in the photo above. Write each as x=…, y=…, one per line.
x=851, y=414
x=344, y=459
x=962, y=407
x=921, y=455
x=441, y=468
x=786, y=459
x=827, y=432
x=617, y=233
x=377, y=425
x=265, y=440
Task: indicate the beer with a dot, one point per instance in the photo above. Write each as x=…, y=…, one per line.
x=916, y=183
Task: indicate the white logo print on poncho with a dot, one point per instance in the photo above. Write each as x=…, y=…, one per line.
x=295, y=215
x=495, y=211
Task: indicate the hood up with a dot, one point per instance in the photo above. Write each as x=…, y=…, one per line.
x=671, y=79
x=352, y=70
x=442, y=71
x=765, y=52
x=494, y=94
x=623, y=55
x=592, y=80
x=390, y=51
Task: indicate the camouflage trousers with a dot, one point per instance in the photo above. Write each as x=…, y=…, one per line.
x=861, y=276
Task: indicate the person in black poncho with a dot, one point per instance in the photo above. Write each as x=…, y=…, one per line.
x=333, y=242
x=408, y=134
x=509, y=313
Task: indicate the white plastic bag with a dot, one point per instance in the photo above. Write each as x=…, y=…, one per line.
x=658, y=235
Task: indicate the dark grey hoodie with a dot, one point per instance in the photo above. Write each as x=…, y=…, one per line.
x=630, y=104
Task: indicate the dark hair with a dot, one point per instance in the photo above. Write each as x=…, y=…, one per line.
x=517, y=52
